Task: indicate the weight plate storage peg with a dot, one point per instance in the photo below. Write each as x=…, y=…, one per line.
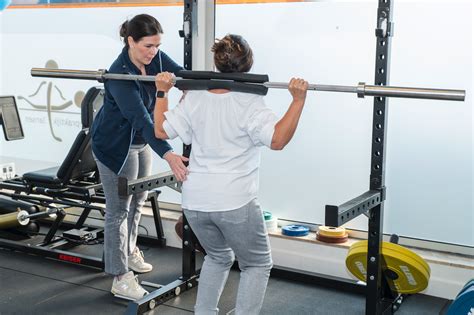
x=295, y=230
x=405, y=271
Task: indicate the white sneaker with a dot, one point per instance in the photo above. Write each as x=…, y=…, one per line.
x=128, y=287
x=137, y=263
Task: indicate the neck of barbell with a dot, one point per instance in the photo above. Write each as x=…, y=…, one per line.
x=316, y=87
x=132, y=77
x=361, y=89
x=50, y=212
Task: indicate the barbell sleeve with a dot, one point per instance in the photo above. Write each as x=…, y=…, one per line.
x=70, y=74
x=409, y=92
x=13, y=219
x=361, y=89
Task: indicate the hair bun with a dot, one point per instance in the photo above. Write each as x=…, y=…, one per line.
x=224, y=47
x=124, y=29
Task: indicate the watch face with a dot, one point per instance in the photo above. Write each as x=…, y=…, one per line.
x=160, y=94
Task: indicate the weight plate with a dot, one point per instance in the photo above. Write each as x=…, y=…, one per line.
x=267, y=215
x=468, y=284
x=295, y=230
x=408, y=272
x=330, y=231
x=463, y=304
x=327, y=239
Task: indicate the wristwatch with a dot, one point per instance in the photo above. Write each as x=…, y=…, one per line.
x=161, y=94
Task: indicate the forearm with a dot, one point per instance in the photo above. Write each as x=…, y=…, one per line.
x=286, y=126
x=161, y=106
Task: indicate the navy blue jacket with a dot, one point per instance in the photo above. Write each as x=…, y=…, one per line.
x=128, y=108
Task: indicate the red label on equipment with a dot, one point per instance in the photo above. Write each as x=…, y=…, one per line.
x=73, y=259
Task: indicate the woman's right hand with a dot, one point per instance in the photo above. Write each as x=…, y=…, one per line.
x=164, y=81
x=176, y=163
x=298, y=88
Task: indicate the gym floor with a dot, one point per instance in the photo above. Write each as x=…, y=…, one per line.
x=36, y=285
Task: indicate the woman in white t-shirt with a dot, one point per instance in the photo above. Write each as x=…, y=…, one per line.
x=219, y=197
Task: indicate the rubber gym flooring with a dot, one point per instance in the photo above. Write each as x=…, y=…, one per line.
x=36, y=285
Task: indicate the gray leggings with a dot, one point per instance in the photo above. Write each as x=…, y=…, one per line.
x=223, y=233
x=122, y=214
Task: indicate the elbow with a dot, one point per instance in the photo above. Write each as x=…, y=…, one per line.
x=160, y=134
x=157, y=133
x=279, y=139
x=277, y=145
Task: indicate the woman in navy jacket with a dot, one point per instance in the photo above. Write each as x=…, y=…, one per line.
x=122, y=135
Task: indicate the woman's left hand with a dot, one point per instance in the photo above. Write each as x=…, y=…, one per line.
x=176, y=163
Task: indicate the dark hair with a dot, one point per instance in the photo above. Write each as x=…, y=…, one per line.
x=232, y=54
x=140, y=26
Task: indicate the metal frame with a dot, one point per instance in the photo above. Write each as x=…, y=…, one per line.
x=338, y=283
x=379, y=296
x=83, y=195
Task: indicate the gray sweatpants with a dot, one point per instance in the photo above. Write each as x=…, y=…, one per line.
x=123, y=213
x=223, y=233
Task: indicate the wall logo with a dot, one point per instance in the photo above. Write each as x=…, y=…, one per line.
x=38, y=105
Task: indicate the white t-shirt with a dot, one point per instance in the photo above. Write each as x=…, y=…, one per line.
x=225, y=131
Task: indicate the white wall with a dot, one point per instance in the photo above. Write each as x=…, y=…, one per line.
x=429, y=164
x=429, y=158
x=429, y=152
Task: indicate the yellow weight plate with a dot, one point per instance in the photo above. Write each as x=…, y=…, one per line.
x=330, y=231
x=409, y=254
x=408, y=272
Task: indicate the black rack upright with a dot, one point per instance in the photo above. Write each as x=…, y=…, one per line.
x=189, y=255
x=379, y=297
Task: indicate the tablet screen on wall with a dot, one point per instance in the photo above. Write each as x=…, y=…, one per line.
x=10, y=118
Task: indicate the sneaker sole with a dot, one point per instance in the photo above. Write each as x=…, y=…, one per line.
x=140, y=270
x=125, y=297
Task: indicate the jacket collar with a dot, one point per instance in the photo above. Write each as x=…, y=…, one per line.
x=128, y=65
